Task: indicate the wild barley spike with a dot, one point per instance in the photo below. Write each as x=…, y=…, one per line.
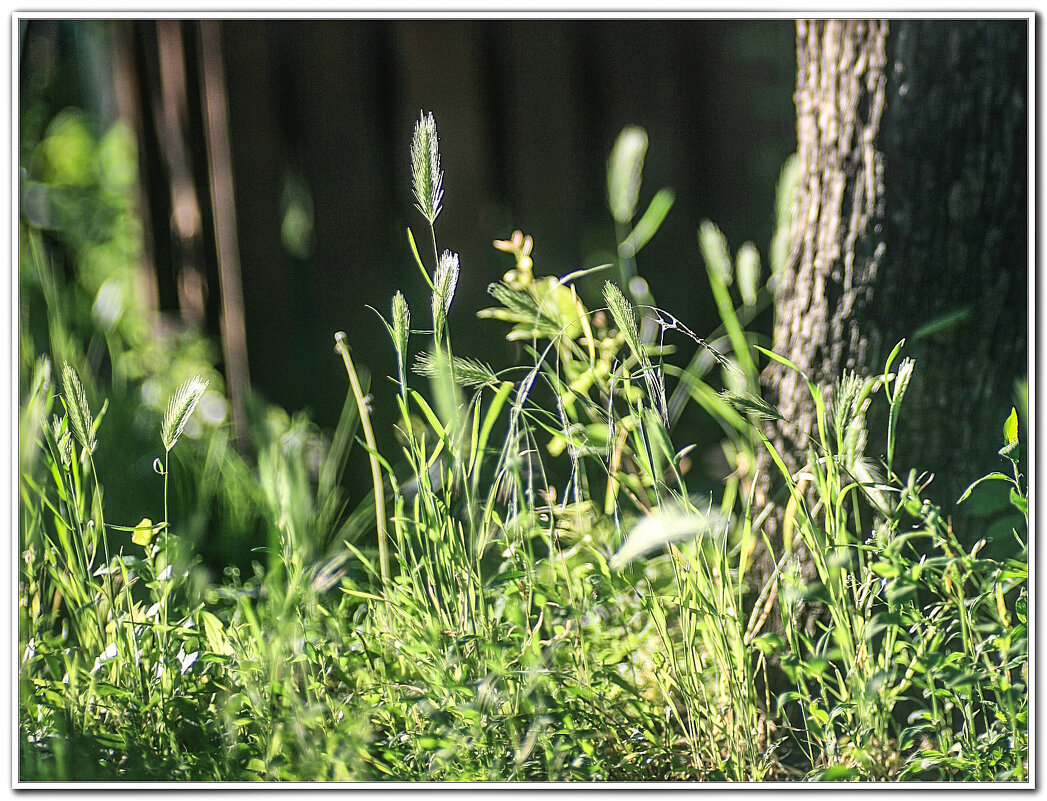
x=180, y=408
x=426, y=174
x=444, y=282
x=401, y=326
x=78, y=411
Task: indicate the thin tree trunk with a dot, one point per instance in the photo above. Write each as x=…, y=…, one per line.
x=215, y=120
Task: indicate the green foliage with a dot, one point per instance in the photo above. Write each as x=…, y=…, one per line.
x=544, y=597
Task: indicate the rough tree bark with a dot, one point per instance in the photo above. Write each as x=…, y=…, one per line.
x=911, y=208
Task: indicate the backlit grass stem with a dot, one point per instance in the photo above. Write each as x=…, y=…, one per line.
x=342, y=347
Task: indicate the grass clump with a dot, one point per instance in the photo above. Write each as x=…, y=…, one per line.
x=533, y=588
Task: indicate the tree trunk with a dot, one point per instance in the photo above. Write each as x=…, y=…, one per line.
x=911, y=209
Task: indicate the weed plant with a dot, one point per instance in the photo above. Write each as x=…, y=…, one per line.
x=529, y=590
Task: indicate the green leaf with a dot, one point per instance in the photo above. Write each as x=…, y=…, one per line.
x=1021, y=609
x=1019, y=503
x=1010, y=427
x=885, y=569
x=881, y=621
x=995, y=476
x=649, y=223
x=505, y=578
x=430, y=415
x=901, y=591
x=1011, y=451
x=837, y=773
x=770, y=354
x=769, y=643
x=215, y=633
x=418, y=258
x=144, y=531
x=943, y=323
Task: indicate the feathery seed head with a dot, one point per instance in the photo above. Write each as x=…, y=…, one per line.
x=180, y=408
x=624, y=172
x=63, y=440
x=426, y=175
x=76, y=407
x=901, y=382
x=748, y=403
x=401, y=326
x=622, y=312
x=713, y=245
x=444, y=282
x=467, y=372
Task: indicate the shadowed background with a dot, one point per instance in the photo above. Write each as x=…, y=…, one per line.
x=320, y=115
x=275, y=176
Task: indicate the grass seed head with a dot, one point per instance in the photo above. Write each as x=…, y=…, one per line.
x=401, y=326
x=444, y=283
x=467, y=372
x=623, y=314
x=901, y=382
x=77, y=409
x=180, y=408
x=426, y=175
x=624, y=172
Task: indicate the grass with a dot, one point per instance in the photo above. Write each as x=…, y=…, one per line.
x=529, y=590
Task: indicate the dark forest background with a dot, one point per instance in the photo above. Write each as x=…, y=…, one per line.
x=314, y=146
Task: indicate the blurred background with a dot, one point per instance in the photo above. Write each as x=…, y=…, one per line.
x=244, y=186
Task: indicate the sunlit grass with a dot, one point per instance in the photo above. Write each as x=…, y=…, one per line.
x=529, y=589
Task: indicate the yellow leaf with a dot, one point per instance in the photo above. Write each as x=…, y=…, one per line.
x=143, y=533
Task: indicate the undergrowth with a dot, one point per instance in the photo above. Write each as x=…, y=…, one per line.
x=529, y=590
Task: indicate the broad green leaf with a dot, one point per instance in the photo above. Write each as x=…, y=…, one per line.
x=1019, y=503
x=214, y=631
